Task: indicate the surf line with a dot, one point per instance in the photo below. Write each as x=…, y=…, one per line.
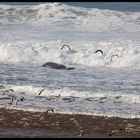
x=8, y=91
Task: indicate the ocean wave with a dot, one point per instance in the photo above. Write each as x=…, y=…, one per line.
x=58, y=13
x=74, y=102
x=115, y=54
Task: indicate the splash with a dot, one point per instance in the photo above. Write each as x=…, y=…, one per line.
x=83, y=54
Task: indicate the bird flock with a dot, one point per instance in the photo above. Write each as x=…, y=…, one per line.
x=97, y=51
x=13, y=97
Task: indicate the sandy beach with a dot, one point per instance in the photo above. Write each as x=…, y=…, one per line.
x=24, y=124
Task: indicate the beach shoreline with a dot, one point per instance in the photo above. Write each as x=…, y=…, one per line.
x=18, y=123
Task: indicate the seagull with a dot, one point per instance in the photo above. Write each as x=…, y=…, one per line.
x=20, y=99
x=8, y=91
x=40, y=92
x=15, y=98
x=50, y=109
x=114, y=131
x=66, y=46
x=57, y=97
x=12, y=98
x=81, y=132
x=113, y=56
x=99, y=51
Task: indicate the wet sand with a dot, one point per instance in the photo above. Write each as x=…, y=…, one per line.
x=24, y=124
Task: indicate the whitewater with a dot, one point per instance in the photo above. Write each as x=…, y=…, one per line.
x=102, y=85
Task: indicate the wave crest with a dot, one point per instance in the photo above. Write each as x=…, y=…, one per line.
x=58, y=13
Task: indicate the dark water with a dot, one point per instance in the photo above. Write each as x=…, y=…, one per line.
x=118, y=6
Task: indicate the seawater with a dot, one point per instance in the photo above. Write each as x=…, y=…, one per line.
x=32, y=34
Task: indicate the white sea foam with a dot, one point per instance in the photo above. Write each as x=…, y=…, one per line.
x=83, y=53
x=49, y=13
x=33, y=91
x=118, y=104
